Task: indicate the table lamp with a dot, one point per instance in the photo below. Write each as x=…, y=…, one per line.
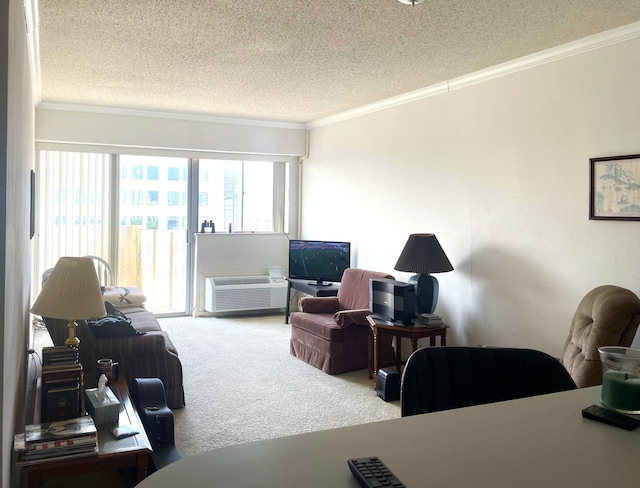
x=72, y=292
x=422, y=254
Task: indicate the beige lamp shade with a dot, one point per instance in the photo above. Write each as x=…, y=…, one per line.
x=72, y=292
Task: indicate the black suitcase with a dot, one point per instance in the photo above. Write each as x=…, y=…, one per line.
x=147, y=395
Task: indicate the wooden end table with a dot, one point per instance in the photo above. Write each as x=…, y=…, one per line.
x=378, y=328
x=131, y=451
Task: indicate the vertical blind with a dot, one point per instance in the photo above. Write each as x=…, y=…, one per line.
x=73, y=209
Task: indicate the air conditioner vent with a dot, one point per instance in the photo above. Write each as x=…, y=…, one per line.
x=242, y=293
x=241, y=280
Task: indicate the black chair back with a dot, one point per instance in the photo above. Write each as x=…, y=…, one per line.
x=443, y=378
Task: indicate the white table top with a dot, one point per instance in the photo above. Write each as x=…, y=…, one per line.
x=532, y=442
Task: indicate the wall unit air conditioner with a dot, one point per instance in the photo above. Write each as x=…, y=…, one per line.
x=244, y=293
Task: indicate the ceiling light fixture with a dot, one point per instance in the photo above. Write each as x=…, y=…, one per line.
x=411, y=2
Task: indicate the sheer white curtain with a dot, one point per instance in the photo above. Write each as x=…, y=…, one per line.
x=73, y=214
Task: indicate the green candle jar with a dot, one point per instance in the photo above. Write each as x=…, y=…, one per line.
x=620, y=379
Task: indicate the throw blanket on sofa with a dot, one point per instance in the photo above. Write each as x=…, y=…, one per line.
x=123, y=295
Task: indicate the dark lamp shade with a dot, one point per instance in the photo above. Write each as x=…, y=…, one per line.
x=72, y=292
x=423, y=254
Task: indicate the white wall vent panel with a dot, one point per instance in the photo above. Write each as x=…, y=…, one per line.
x=242, y=293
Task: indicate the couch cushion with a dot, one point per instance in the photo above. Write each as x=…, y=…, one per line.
x=144, y=321
x=318, y=324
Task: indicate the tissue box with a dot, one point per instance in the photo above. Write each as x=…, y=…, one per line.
x=107, y=411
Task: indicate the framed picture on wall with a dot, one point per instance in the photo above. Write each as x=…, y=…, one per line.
x=32, y=215
x=614, y=192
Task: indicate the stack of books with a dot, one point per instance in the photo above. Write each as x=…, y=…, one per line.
x=56, y=355
x=429, y=319
x=61, y=384
x=68, y=438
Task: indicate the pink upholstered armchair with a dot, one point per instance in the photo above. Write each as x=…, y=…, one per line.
x=332, y=333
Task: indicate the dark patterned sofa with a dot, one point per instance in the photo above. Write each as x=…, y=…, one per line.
x=148, y=354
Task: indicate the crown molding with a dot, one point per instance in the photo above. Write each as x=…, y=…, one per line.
x=169, y=115
x=591, y=43
x=381, y=105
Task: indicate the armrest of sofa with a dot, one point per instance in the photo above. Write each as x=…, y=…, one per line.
x=318, y=304
x=345, y=318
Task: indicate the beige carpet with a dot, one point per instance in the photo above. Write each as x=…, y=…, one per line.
x=242, y=385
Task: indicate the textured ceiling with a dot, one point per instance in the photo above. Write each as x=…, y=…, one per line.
x=291, y=60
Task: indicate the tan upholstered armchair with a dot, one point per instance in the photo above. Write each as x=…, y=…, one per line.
x=607, y=316
x=332, y=333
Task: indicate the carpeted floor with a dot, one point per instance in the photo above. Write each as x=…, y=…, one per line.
x=242, y=385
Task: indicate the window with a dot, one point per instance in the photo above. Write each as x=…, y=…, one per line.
x=136, y=197
x=173, y=222
x=173, y=198
x=240, y=193
x=77, y=204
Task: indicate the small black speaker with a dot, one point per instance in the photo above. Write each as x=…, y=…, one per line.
x=388, y=384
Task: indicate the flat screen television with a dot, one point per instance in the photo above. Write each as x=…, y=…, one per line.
x=320, y=262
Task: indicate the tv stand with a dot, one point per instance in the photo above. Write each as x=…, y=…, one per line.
x=320, y=283
x=310, y=288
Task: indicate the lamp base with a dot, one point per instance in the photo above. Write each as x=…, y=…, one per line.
x=426, y=292
x=72, y=340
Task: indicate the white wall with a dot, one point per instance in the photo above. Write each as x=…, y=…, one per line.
x=16, y=160
x=236, y=255
x=499, y=171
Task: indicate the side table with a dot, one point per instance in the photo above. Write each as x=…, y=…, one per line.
x=310, y=289
x=378, y=328
x=130, y=452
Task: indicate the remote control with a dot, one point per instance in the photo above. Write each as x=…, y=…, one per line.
x=601, y=414
x=371, y=472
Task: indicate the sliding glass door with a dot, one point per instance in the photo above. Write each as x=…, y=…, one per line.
x=153, y=229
